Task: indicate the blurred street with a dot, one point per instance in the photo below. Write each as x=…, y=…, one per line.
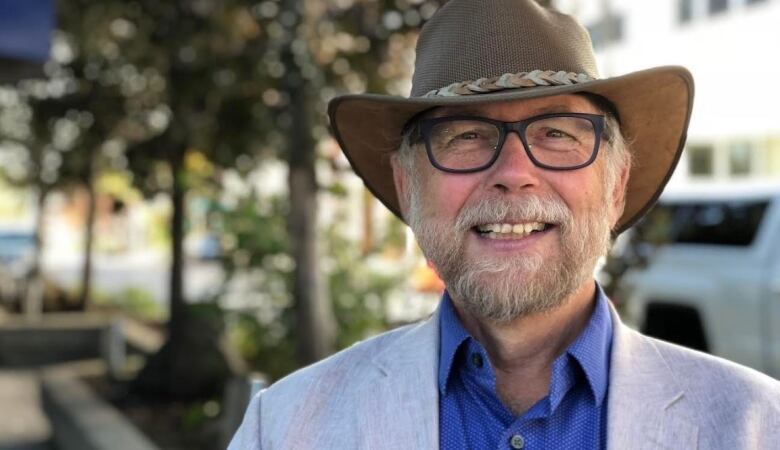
x=144, y=270
x=23, y=425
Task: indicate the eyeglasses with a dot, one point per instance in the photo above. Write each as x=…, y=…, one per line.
x=465, y=144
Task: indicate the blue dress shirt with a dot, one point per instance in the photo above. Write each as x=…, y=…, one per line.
x=572, y=416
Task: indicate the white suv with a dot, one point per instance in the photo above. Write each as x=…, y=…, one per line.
x=712, y=280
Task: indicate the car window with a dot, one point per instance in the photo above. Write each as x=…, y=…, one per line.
x=733, y=223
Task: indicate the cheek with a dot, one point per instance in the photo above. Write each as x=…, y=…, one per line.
x=583, y=195
x=447, y=193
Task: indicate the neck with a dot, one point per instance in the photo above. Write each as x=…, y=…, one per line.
x=522, y=351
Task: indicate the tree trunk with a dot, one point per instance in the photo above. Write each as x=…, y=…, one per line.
x=33, y=292
x=89, y=237
x=178, y=192
x=316, y=327
x=190, y=365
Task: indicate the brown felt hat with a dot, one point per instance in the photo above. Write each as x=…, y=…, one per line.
x=480, y=51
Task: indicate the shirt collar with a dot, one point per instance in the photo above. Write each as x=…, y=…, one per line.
x=591, y=349
x=452, y=335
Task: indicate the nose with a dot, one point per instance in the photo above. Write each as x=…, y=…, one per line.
x=514, y=170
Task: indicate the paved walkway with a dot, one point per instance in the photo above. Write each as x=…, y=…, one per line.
x=23, y=425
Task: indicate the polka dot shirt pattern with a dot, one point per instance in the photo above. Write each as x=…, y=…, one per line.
x=572, y=415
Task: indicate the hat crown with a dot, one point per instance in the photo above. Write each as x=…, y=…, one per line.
x=472, y=39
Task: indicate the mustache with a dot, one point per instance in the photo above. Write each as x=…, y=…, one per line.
x=532, y=208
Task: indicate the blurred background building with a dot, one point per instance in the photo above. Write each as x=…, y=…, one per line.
x=728, y=46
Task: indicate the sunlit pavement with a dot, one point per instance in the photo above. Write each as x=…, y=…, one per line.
x=23, y=425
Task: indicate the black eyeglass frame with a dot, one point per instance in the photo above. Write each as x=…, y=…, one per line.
x=504, y=128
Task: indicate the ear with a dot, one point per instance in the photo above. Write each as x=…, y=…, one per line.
x=401, y=181
x=619, y=195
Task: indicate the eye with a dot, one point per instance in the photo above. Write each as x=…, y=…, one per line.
x=463, y=135
x=468, y=135
x=558, y=134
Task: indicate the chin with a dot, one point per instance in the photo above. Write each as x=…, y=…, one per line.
x=506, y=295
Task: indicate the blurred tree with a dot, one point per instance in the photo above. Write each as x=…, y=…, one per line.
x=316, y=50
x=287, y=58
x=77, y=121
x=324, y=48
x=203, y=54
x=53, y=147
x=314, y=313
x=30, y=159
x=150, y=85
x=100, y=91
x=258, y=255
x=233, y=81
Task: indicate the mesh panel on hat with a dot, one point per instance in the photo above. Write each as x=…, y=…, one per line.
x=471, y=39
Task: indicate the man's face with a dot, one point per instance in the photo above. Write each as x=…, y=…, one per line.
x=461, y=220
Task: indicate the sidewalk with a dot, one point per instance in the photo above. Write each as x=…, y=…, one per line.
x=23, y=426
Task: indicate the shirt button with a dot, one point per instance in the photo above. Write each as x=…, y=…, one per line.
x=476, y=359
x=517, y=442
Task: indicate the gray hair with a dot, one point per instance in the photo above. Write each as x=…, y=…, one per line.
x=617, y=157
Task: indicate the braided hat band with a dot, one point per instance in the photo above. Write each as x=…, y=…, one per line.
x=510, y=81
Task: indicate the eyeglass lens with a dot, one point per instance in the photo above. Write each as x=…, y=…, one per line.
x=561, y=142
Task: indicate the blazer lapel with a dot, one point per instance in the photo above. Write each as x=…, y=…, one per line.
x=406, y=400
x=647, y=405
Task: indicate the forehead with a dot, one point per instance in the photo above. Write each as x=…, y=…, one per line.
x=519, y=109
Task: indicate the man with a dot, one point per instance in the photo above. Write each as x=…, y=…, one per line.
x=513, y=163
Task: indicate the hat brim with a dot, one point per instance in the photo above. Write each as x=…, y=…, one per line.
x=654, y=106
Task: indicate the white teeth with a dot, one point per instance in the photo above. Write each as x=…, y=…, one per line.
x=507, y=230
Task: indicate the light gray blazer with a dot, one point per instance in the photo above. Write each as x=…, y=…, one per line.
x=382, y=394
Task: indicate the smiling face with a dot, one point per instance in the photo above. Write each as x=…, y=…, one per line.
x=514, y=239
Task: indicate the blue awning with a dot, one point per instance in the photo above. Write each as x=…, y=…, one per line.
x=25, y=29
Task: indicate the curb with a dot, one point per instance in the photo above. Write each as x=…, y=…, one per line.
x=80, y=420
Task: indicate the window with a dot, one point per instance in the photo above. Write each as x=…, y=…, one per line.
x=700, y=161
x=718, y=6
x=718, y=222
x=684, y=11
x=740, y=158
x=608, y=30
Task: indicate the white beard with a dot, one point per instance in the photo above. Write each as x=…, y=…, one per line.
x=501, y=290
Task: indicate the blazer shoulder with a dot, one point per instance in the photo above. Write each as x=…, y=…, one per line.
x=347, y=369
x=688, y=398
x=344, y=364
x=717, y=381
x=319, y=401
